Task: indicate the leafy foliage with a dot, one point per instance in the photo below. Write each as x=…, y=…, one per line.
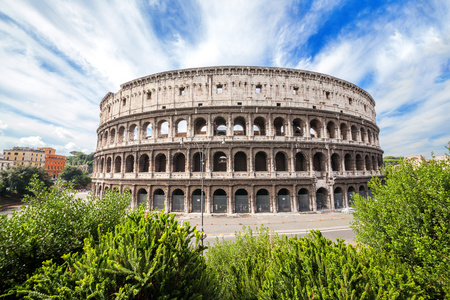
x=409, y=215
x=52, y=224
x=148, y=256
x=392, y=160
x=17, y=179
x=77, y=177
x=79, y=158
x=265, y=266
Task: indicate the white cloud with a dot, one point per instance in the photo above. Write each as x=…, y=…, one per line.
x=63, y=133
x=31, y=141
x=3, y=126
x=71, y=147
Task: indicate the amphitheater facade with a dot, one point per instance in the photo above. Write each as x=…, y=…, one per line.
x=254, y=139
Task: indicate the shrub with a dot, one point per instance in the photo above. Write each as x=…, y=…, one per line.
x=17, y=179
x=52, y=224
x=409, y=215
x=145, y=257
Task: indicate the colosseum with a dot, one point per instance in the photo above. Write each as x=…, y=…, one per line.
x=249, y=139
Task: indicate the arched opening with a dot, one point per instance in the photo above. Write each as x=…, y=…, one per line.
x=259, y=127
x=163, y=129
x=260, y=162
x=338, y=198
x=144, y=163
x=196, y=198
x=132, y=132
x=331, y=130
x=147, y=130
x=220, y=126
x=160, y=163
x=278, y=126
x=241, y=201
x=369, y=193
x=369, y=136
x=348, y=162
x=374, y=163
x=298, y=127
x=158, y=199
x=262, y=201
x=363, y=135
x=142, y=197
x=200, y=127
x=121, y=134
x=314, y=128
x=102, y=162
x=108, y=165
x=220, y=162
x=344, y=131
x=350, y=193
x=354, y=133
x=105, y=139
x=321, y=198
x=319, y=162
x=178, y=200
x=179, y=162
x=362, y=191
x=367, y=162
x=280, y=162
x=335, y=162
x=197, y=162
x=129, y=164
x=181, y=128
x=118, y=164
x=240, y=162
x=300, y=162
x=239, y=126
x=284, y=201
x=112, y=136
x=303, y=200
x=359, y=162
x=220, y=201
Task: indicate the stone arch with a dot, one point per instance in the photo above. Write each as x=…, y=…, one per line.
x=369, y=136
x=105, y=138
x=354, y=133
x=196, y=198
x=178, y=200
x=158, y=199
x=335, y=162
x=163, y=129
x=359, y=162
x=102, y=163
x=281, y=162
x=315, y=127
x=160, y=162
x=331, y=130
x=129, y=164
x=200, y=126
x=298, y=127
x=239, y=126
x=179, y=162
x=303, y=200
x=319, y=162
x=259, y=126
x=147, y=130
x=261, y=161
x=348, y=162
x=262, y=201
x=144, y=163
x=344, y=131
x=108, y=165
x=362, y=191
x=284, y=200
x=300, y=162
x=338, y=198
x=321, y=198
x=197, y=162
x=374, y=163
x=363, y=135
x=240, y=162
x=220, y=126
x=112, y=136
x=181, y=128
x=142, y=197
x=132, y=132
x=220, y=162
x=219, y=201
x=350, y=192
x=279, y=126
x=241, y=201
x=367, y=163
x=121, y=136
x=118, y=164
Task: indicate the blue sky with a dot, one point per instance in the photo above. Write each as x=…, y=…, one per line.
x=59, y=58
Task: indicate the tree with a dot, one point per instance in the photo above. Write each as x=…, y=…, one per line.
x=17, y=179
x=409, y=216
x=79, y=158
x=75, y=176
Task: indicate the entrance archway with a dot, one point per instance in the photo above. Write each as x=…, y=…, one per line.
x=220, y=201
x=284, y=201
x=241, y=201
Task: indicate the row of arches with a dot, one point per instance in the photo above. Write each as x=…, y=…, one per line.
x=280, y=162
x=241, y=202
x=219, y=126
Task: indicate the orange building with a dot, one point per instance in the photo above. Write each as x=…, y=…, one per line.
x=53, y=163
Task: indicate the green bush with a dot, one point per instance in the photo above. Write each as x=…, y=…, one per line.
x=147, y=256
x=409, y=215
x=265, y=266
x=17, y=179
x=52, y=224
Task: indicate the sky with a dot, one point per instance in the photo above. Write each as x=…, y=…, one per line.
x=58, y=59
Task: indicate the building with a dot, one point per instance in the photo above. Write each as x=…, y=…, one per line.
x=253, y=139
x=4, y=163
x=25, y=156
x=54, y=163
